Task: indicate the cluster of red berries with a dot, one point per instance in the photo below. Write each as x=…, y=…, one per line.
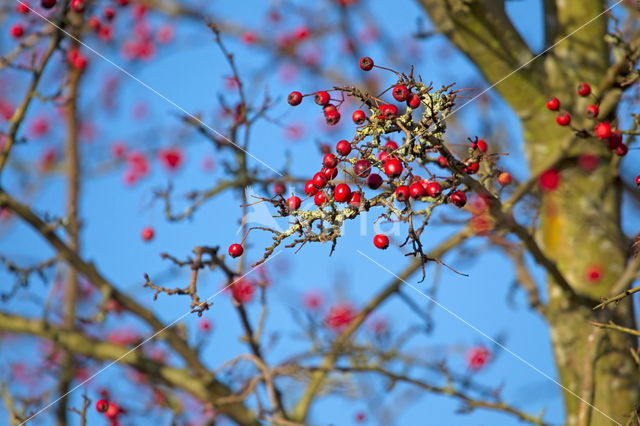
x=602, y=129
x=322, y=98
x=400, y=93
x=391, y=160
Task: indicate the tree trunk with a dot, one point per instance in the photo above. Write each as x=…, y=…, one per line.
x=579, y=223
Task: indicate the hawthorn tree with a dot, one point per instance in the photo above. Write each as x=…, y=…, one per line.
x=406, y=157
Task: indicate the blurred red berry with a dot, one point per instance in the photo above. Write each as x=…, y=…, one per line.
x=602, y=130
x=340, y=316
x=553, y=104
x=549, y=180
x=148, y=233
x=102, y=406
x=505, y=178
x=478, y=357
x=563, y=119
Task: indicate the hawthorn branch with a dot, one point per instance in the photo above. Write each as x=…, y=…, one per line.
x=197, y=385
x=612, y=326
x=20, y=113
x=89, y=271
x=469, y=403
x=301, y=409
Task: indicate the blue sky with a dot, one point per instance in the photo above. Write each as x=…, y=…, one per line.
x=191, y=73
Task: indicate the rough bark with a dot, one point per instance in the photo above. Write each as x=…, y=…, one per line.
x=580, y=222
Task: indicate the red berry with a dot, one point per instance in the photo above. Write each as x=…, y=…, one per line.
x=22, y=8
x=413, y=101
x=109, y=13
x=329, y=160
x=342, y=193
x=294, y=98
x=403, y=193
x=77, y=5
x=389, y=111
x=458, y=198
x=416, y=190
x=319, y=180
x=638, y=181
x=343, y=147
x=393, y=168
x=329, y=107
x=48, y=4
x=588, y=162
x=325, y=148
x=113, y=411
x=614, y=141
x=381, y=241
x=329, y=172
x=355, y=199
x=320, y=198
x=332, y=117
x=472, y=168
x=442, y=162
x=17, y=31
x=362, y=168
x=505, y=178
x=374, y=181
x=622, y=150
x=603, y=130
x=584, y=89
x=147, y=233
x=563, y=119
x=550, y=180
x=322, y=98
x=433, y=189
x=102, y=406
x=481, y=145
x=383, y=156
x=358, y=117
x=553, y=104
x=592, y=111
x=94, y=23
x=366, y=63
x=391, y=146
x=310, y=188
x=478, y=357
x=279, y=188
x=235, y=250
x=400, y=93
x=293, y=203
